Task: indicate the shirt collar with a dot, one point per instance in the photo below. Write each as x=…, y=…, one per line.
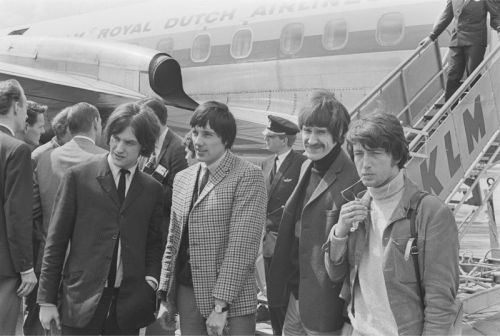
x=214, y=165
x=281, y=157
x=84, y=137
x=10, y=129
x=115, y=170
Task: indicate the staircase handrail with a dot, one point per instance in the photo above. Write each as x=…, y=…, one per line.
x=458, y=93
x=418, y=51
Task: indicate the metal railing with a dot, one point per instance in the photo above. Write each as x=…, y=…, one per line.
x=408, y=89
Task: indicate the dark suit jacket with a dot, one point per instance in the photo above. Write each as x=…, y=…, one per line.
x=173, y=158
x=88, y=214
x=470, y=17
x=281, y=188
x=16, y=203
x=320, y=308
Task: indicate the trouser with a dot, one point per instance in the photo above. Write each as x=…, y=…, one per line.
x=293, y=325
x=104, y=321
x=193, y=323
x=10, y=305
x=462, y=59
x=32, y=325
x=276, y=314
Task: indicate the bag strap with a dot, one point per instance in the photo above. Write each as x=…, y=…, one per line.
x=415, y=201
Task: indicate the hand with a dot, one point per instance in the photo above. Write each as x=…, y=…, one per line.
x=28, y=282
x=216, y=323
x=269, y=224
x=47, y=315
x=350, y=215
x=151, y=283
x=425, y=41
x=166, y=315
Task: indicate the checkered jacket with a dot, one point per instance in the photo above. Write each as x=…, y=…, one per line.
x=225, y=228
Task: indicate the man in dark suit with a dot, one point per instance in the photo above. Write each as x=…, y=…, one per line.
x=84, y=123
x=281, y=173
x=167, y=159
x=298, y=265
x=111, y=213
x=469, y=36
x=16, y=201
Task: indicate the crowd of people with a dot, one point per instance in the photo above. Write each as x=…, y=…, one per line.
x=107, y=242
x=114, y=226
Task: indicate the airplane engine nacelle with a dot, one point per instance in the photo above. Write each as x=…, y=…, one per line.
x=110, y=65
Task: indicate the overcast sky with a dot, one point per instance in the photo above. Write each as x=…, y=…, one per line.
x=20, y=12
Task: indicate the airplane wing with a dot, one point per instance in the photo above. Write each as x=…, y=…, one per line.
x=58, y=90
x=60, y=72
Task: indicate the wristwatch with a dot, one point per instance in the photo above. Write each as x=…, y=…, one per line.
x=219, y=309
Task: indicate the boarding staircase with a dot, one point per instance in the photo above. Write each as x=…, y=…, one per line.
x=453, y=145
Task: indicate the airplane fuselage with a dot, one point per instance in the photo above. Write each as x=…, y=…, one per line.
x=269, y=55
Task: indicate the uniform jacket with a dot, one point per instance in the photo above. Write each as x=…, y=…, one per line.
x=281, y=188
x=320, y=307
x=470, y=21
x=16, y=201
x=49, y=170
x=225, y=228
x=172, y=157
x=87, y=213
x=438, y=261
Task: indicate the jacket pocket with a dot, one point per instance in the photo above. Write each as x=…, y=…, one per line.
x=402, y=259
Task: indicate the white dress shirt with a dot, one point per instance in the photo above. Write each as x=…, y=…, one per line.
x=281, y=158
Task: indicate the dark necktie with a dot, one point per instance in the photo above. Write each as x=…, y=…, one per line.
x=114, y=259
x=122, y=184
x=273, y=171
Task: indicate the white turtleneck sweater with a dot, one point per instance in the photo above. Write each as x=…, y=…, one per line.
x=373, y=313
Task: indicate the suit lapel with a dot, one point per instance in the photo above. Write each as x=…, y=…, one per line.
x=330, y=176
x=135, y=189
x=279, y=174
x=300, y=187
x=106, y=181
x=166, y=142
x=220, y=173
x=457, y=6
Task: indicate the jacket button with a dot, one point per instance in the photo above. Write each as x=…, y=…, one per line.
x=115, y=236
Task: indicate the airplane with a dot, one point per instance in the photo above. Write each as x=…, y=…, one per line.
x=258, y=57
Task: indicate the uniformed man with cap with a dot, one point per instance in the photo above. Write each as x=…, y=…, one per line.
x=281, y=172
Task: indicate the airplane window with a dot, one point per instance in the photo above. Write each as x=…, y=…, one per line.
x=390, y=29
x=335, y=34
x=166, y=45
x=201, y=48
x=292, y=37
x=241, y=45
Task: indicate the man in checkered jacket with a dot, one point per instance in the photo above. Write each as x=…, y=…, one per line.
x=217, y=216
